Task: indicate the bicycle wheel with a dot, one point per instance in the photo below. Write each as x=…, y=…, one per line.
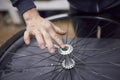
x=83, y=58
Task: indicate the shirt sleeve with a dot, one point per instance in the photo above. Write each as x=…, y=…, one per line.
x=23, y=5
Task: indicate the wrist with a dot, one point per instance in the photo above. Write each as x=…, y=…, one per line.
x=32, y=13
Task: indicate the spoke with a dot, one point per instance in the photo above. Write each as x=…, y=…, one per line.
x=28, y=52
x=82, y=54
x=61, y=74
x=52, y=71
x=98, y=74
x=10, y=70
x=67, y=33
x=55, y=68
x=46, y=58
x=109, y=34
x=102, y=61
x=28, y=55
x=98, y=63
x=87, y=49
x=117, y=64
x=102, y=53
x=76, y=31
x=35, y=67
x=80, y=77
x=66, y=75
x=76, y=51
x=57, y=75
x=107, y=24
x=71, y=74
x=91, y=32
x=59, y=57
x=86, y=42
x=77, y=58
x=8, y=76
x=49, y=58
x=62, y=68
x=86, y=71
x=36, y=53
x=62, y=27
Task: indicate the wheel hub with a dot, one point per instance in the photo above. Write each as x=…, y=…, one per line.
x=68, y=62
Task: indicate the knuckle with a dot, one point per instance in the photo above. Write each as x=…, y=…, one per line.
x=31, y=26
x=49, y=43
x=41, y=43
x=50, y=46
x=57, y=38
x=54, y=35
x=36, y=32
x=60, y=42
x=49, y=26
x=46, y=36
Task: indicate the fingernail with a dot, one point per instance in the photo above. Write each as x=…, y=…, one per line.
x=62, y=46
x=52, y=50
x=42, y=47
x=27, y=42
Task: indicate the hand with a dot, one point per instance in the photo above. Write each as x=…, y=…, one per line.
x=43, y=30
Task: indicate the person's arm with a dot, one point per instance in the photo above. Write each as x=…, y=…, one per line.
x=23, y=5
x=43, y=30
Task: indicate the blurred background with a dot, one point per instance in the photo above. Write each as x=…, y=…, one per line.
x=11, y=21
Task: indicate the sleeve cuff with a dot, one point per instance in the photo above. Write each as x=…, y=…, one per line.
x=25, y=5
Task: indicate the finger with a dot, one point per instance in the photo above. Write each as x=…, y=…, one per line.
x=48, y=42
x=58, y=30
x=57, y=39
x=27, y=37
x=39, y=39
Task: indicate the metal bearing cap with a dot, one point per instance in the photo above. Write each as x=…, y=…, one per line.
x=67, y=50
